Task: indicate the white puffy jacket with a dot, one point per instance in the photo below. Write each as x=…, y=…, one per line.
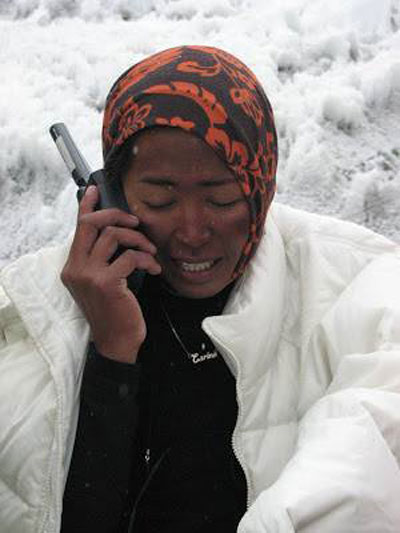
x=312, y=334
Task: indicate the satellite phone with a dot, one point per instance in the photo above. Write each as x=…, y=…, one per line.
x=111, y=194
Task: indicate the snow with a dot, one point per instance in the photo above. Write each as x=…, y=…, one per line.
x=330, y=69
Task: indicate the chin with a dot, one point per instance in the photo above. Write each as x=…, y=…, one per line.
x=196, y=292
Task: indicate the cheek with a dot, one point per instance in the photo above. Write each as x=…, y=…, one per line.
x=158, y=230
x=235, y=231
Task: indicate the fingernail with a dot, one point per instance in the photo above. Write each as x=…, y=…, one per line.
x=91, y=189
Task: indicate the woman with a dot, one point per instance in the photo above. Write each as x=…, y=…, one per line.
x=169, y=140
x=255, y=375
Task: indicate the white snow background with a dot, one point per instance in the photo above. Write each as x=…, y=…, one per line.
x=330, y=68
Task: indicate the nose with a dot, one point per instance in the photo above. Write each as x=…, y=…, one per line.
x=193, y=226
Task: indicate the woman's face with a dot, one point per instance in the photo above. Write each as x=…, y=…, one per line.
x=190, y=206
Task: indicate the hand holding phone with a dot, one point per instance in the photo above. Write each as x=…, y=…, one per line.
x=95, y=274
x=110, y=195
x=99, y=286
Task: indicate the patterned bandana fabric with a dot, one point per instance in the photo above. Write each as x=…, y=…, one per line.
x=213, y=95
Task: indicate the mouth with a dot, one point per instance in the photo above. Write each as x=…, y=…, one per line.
x=194, y=278
x=197, y=267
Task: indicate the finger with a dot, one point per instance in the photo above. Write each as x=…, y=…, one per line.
x=131, y=260
x=84, y=236
x=109, y=217
x=90, y=224
x=112, y=237
x=89, y=200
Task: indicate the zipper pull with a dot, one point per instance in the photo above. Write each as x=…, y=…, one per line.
x=147, y=457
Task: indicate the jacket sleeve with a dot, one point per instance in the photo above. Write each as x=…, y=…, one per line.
x=97, y=489
x=344, y=475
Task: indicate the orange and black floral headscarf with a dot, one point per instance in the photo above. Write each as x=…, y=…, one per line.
x=213, y=95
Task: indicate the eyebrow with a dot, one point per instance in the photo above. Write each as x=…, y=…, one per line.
x=168, y=181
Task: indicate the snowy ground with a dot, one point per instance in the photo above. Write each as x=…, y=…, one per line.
x=331, y=70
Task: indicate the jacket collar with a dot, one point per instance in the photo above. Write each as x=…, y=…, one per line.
x=249, y=330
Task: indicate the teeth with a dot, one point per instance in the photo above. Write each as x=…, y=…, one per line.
x=197, y=267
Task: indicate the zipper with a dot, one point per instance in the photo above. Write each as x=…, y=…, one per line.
x=234, y=366
x=239, y=457
x=144, y=488
x=147, y=458
x=237, y=451
x=153, y=407
x=52, y=509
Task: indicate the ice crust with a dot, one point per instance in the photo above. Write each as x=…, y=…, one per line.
x=330, y=69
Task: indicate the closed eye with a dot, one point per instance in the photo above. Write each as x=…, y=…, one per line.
x=159, y=205
x=225, y=204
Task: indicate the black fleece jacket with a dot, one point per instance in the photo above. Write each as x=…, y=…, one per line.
x=153, y=448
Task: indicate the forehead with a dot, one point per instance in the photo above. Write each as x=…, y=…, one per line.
x=172, y=151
